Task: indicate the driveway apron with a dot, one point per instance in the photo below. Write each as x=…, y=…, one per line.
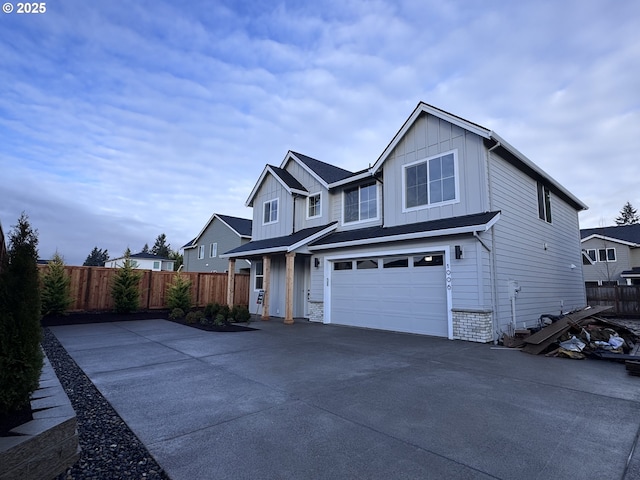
x=323, y=402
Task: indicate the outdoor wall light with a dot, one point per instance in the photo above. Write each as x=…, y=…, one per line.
x=316, y=262
x=458, y=252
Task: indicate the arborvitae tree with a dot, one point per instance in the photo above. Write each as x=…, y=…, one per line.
x=179, y=293
x=628, y=215
x=20, y=331
x=161, y=248
x=56, y=288
x=125, y=289
x=96, y=258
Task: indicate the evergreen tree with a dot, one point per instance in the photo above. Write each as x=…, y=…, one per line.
x=628, y=215
x=179, y=293
x=96, y=258
x=145, y=249
x=20, y=331
x=56, y=288
x=178, y=260
x=161, y=248
x=125, y=289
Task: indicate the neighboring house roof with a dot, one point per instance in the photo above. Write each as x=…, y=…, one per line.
x=143, y=256
x=629, y=234
x=326, y=172
x=288, y=181
x=633, y=273
x=240, y=226
x=493, y=141
x=434, y=228
x=286, y=243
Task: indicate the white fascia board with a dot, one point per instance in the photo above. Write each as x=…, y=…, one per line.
x=291, y=156
x=609, y=239
x=267, y=169
x=406, y=236
x=436, y=112
x=354, y=178
x=249, y=202
x=229, y=226
x=313, y=237
x=537, y=169
x=259, y=251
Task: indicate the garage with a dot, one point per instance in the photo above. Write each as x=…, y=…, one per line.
x=404, y=293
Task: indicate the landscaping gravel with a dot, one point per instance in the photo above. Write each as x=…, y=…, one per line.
x=110, y=449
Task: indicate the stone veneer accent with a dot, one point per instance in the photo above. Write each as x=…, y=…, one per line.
x=473, y=325
x=48, y=444
x=316, y=311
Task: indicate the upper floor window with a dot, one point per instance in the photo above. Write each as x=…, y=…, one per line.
x=201, y=252
x=213, y=250
x=361, y=203
x=314, y=208
x=607, y=255
x=544, y=203
x=431, y=181
x=270, y=212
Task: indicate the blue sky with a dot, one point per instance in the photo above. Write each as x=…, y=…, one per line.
x=123, y=120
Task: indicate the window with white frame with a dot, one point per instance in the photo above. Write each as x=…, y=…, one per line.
x=430, y=182
x=314, y=208
x=544, y=203
x=591, y=253
x=213, y=250
x=607, y=255
x=201, y=252
x=361, y=203
x=259, y=276
x=156, y=265
x=270, y=210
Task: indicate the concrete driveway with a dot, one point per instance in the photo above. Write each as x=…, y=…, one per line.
x=312, y=401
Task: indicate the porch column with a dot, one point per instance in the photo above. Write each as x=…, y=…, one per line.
x=288, y=317
x=231, y=282
x=266, y=280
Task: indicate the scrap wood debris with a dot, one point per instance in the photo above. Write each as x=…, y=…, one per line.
x=583, y=334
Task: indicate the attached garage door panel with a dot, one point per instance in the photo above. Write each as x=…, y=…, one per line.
x=406, y=299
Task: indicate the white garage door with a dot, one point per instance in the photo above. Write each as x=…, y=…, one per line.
x=405, y=293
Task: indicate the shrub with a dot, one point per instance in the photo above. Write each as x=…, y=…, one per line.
x=125, y=288
x=56, y=288
x=190, y=318
x=179, y=293
x=20, y=331
x=242, y=314
x=176, y=314
x=220, y=320
x=211, y=310
x=225, y=312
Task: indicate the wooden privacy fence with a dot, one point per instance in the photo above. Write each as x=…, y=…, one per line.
x=91, y=288
x=625, y=299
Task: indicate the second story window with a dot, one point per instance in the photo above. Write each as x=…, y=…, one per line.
x=361, y=203
x=544, y=203
x=201, y=252
x=270, y=212
x=313, y=206
x=430, y=181
x=213, y=250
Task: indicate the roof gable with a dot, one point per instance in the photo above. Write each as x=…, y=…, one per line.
x=288, y=181
x=629, y=234
x=324, y=172
x=239, y=226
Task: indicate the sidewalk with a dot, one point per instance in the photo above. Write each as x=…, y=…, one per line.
x=319, y=401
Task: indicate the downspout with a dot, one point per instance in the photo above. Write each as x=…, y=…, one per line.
x=293, y=226
x=494, y=289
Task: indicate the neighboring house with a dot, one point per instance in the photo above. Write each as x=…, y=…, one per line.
x=220, y=234
x=611, y=255
x=143, y=261
x=451, y=232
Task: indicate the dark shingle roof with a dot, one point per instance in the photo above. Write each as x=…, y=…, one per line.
x=329, y=173
x=189, y=244
x=628, y=233
x=240, y=225
x=430, y=226
x=278, y=242
x=287, y=178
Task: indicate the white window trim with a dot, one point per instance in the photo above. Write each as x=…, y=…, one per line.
x=277, y=201
x=319, y=205
x=255, y=276
x=366, y=220
x=547, y=211
x=201, y=252
x=606, y=255
x=456, y=199
x=213, y=250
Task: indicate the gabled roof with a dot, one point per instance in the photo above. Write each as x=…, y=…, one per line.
x=324, y=172
x=239, y=226
x=288, y=181
x=286, y=243
x=493, y=141
x=479, y=222
x=629, y=234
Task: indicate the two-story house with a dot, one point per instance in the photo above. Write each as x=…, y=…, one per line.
x=451, y=232
x=611, y=255
x=220, y=234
